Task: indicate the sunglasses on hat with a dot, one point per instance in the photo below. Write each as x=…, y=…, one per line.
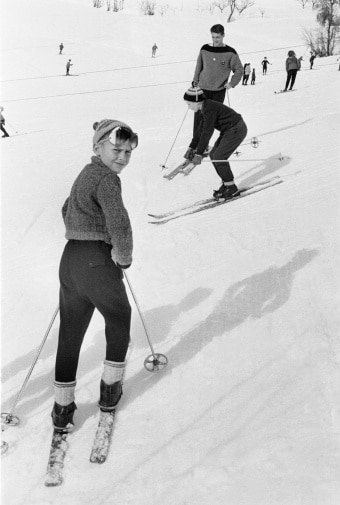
x=122, y=134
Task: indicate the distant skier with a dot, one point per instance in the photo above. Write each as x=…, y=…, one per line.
x=154, y=49
x=293, y=64
x=311, y=60
x=246, y=74
x=2, y=124
x=99, y=246
x=61, y=47
x=232, y=131
x=253, y=77
x=265, y=64
x=68, y=66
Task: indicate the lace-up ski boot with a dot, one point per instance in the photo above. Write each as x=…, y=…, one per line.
x=62, y=417
x=226, y=192
x=109, y=395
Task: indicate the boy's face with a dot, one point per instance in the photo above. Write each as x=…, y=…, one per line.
x=114, y=156
x=217, y=39
x=194, y=106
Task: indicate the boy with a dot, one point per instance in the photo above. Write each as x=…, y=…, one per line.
x=233, y=130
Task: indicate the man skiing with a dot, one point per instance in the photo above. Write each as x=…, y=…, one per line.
x=154, y=49
x=68, y=66
x=293, y=64
x=233, y=130
x=214, y=65
x=265, y=64
x=99, y=246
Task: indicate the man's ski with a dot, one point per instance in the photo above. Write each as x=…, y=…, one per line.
x=208, y=200
x=54, y=472
x=215, y=203
x=102, y=439
x=284, y=91
x=183, y=168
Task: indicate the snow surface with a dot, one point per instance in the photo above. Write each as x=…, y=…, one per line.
x=243, y=299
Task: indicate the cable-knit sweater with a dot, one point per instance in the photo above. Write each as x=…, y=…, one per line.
x=95, y=211
x=214, y=65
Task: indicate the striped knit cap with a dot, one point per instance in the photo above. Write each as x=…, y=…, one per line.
x=194, y=95
x=105, y=126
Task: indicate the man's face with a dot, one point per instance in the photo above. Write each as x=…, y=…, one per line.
x=217, y=39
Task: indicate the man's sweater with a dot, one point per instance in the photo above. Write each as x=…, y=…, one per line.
x=214, y=65
x=95, y=211
x=215, y=116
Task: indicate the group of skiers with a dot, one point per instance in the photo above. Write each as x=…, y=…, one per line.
x=98, y=230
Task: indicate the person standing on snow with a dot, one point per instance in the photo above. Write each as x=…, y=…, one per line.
x=246, y=74
x=233, y=130
x=154, y=49
x=214, y=64
x=311, y=60
x=61, y=47
x=265, y=64
x=2, y=124
x=68, y=66
x=292, y=66
x=99, y=246
x=253, y=77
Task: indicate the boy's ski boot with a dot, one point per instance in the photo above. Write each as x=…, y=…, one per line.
x=109, y=395
x=62, y=417
x=226, y=192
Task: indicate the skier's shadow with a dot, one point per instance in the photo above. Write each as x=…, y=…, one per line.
x=250, y=298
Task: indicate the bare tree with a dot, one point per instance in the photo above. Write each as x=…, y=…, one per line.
x=303, y=3
x=148, y=7
x=242, y=5
x=328, y=17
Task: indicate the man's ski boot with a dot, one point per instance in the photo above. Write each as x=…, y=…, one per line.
x=109, y=395
x=62, y=417
x=226, y=192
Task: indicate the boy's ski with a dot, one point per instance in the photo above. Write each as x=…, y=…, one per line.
x=208, y=200
x=208, y=204
x=102, y=439
x=183, y=168
x=54, y=472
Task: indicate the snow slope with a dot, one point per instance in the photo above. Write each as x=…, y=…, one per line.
x=243, y=299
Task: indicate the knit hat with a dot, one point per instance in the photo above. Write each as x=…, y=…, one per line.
x=194, y=95
x=105, y=126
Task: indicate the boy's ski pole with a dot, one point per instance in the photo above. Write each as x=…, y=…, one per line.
x=179, y=129
x=154, y=362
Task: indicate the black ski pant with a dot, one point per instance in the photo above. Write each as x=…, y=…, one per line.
x=224, y=147
x=217, y=96
x=3, y=129
x=89, y=279
x=291, y=76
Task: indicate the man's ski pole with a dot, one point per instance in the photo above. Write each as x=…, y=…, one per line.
x=9, y=417
x=154, y=362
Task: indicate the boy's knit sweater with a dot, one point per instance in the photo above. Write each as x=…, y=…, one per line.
x=214, y=65
x=95, y=211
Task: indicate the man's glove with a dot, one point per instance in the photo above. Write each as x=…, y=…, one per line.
x=197, y=159
x=189, y=154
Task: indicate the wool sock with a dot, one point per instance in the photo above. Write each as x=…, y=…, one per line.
x=64, y=392
x=113, y=371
